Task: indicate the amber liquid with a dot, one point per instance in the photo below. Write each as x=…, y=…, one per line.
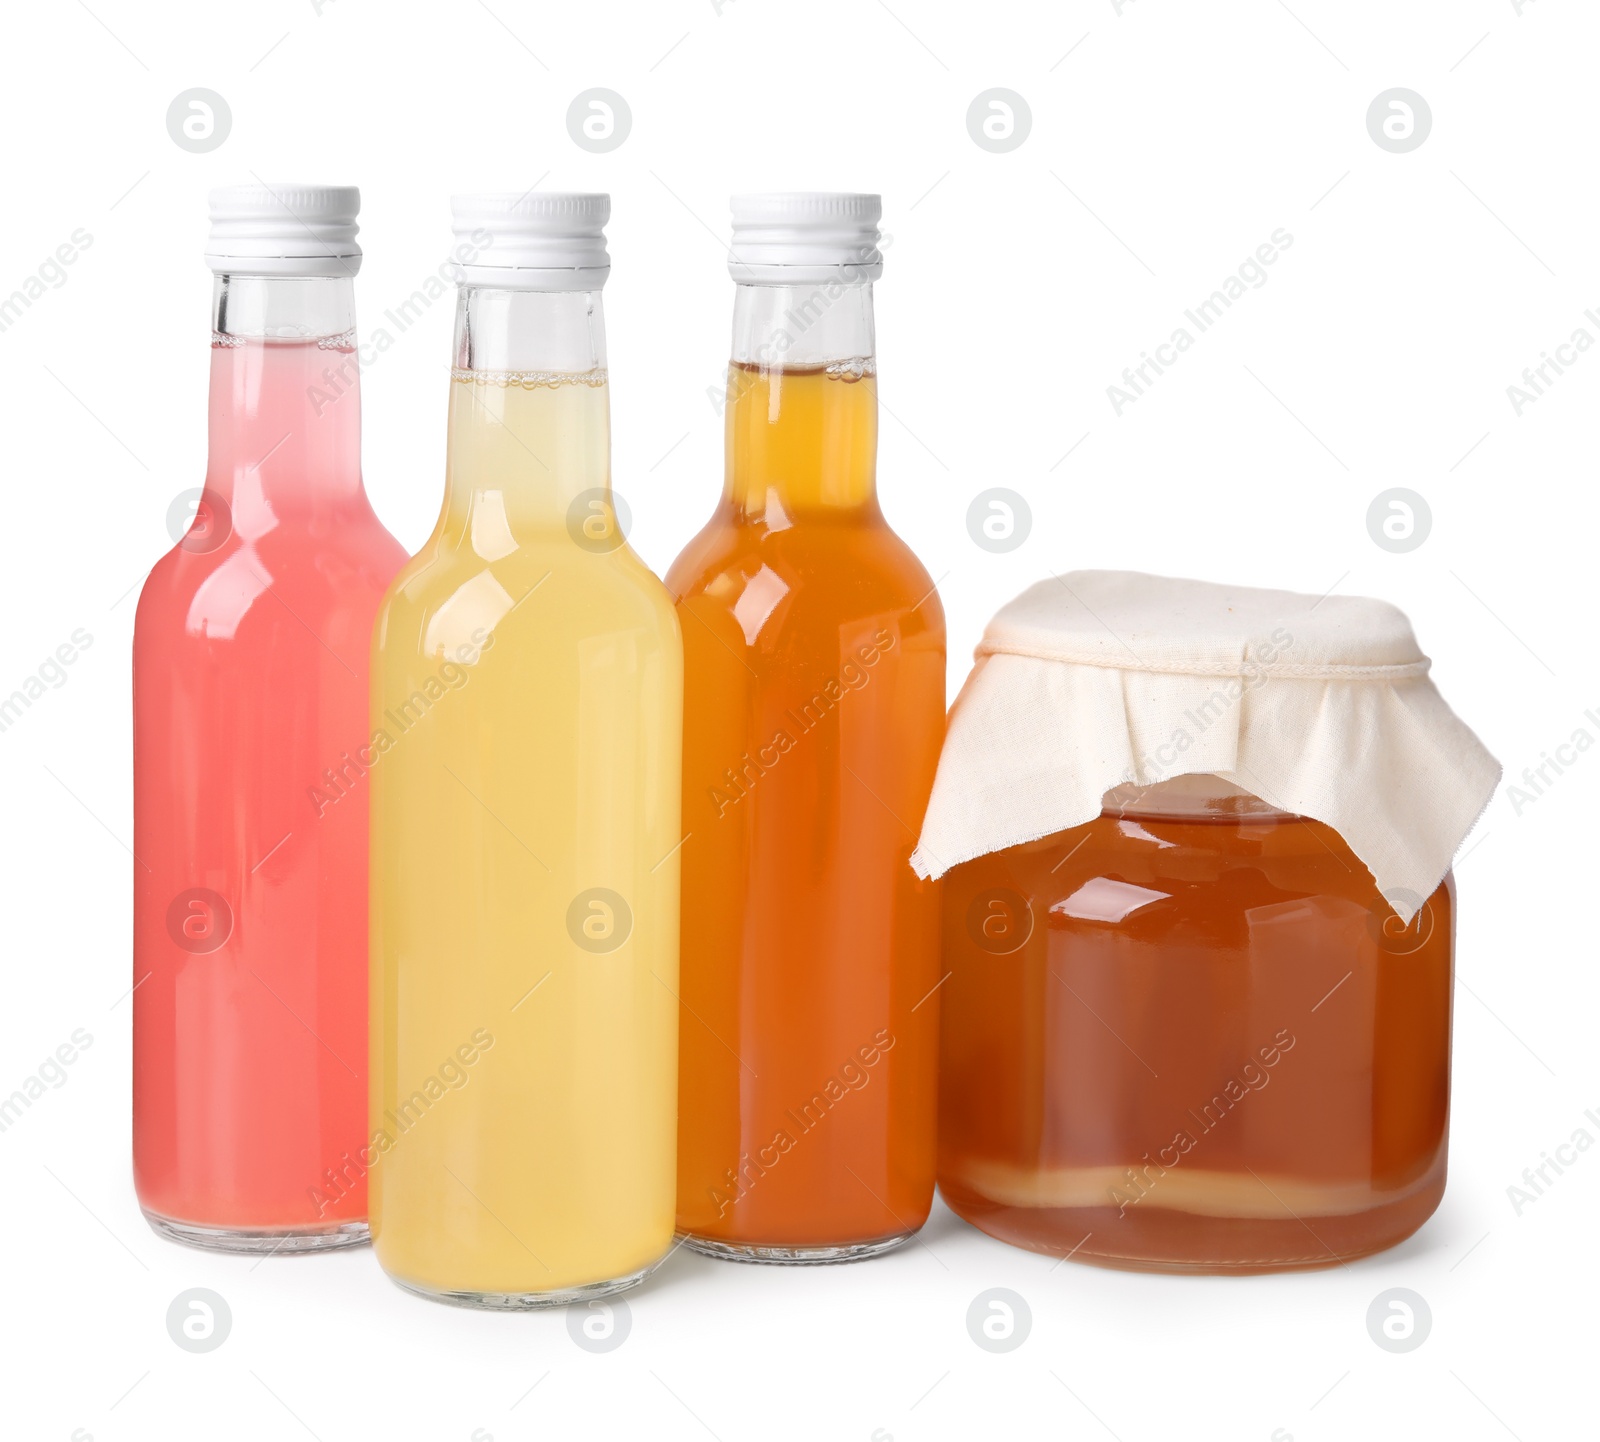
x=814, y=712
x=1209, y=1053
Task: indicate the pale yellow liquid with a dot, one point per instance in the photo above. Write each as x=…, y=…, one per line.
x=546, y=763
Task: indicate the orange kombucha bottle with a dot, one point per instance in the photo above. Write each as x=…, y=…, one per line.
x=814, y=658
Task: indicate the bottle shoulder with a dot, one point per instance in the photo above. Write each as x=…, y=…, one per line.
x=215, y=585
x=844, y=568
x=444, y=590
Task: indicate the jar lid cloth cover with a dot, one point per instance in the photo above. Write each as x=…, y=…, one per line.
x=1320, y=705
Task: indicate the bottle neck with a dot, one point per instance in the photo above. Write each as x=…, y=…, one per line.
x=285, y=410
x=530, y=419
x=802, y=413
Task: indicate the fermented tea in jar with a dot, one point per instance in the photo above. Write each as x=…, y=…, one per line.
x=1198, y=923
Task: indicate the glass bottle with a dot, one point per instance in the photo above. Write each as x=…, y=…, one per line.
x=1191, y=1035
x=527, y=712
x=250, y=822
x=815, y=663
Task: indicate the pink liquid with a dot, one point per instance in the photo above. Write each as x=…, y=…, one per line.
x=250, y=665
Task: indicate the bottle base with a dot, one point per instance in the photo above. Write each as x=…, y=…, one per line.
x=262, y=1241
x=793, y=1256
x=527, y=1301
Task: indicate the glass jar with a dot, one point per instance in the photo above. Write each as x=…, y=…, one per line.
x=1191, y=1035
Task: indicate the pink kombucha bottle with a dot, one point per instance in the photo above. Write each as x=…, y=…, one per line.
x=250, y=662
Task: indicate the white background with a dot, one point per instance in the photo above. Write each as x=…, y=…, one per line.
x=1167, y=142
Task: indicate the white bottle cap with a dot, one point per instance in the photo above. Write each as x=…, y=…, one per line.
x=284, y=230
x=803, y=237
x=532, y=241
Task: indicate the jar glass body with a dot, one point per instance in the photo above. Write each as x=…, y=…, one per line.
x=1192, y=1035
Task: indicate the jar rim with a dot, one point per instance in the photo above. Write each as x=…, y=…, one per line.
x=1200, y=795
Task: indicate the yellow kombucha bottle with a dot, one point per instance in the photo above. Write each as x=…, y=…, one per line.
x=527, y=711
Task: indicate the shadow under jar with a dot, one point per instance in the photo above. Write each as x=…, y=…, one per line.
x=1191, y=1035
